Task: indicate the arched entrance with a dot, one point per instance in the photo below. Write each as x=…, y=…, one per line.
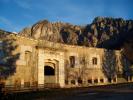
x=49, y=73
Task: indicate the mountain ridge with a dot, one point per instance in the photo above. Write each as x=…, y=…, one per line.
x=103, y=32
x=91, y=35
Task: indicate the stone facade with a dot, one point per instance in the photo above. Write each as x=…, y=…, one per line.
x=42, y=63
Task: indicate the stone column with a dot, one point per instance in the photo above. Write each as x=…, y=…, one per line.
x=112, y=80
x=84, y=81
x=99, y=80
x=22, y=83
x=76, y=82
x=116, y=79
x=40, y=67
x=128, y=78
x=92, y=80
x=69, y=82
x=132, y=78
x=56, y=73
x=105, y=80
x=61, y=73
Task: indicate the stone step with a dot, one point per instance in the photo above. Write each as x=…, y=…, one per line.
x=121, y=80
x=51, y=85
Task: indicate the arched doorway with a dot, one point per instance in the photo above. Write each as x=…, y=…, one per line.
x=49, y=71
x=49, y=74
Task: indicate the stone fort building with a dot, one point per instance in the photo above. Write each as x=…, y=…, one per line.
x=44, y=63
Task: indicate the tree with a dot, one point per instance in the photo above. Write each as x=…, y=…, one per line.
x=127, y=66
x=109, y=64
x=7, y=56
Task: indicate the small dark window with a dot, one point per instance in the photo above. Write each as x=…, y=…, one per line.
x=94, y=61
x=114, y=79
x=109, y=80
x=49, y=70
x=35, y=83
x=26, y=84
x=79, y=81
x=72, y=61
x=17, y=83
x=73, y=82
x=101, y=80
x=66, y=82
x=96, y=81
x=90, y=81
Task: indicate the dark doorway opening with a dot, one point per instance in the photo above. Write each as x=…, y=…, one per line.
x=109, y=80
x=48, y=70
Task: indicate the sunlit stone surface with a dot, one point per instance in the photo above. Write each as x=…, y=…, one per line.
x=44, y=63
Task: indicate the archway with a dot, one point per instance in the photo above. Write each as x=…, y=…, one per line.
x=49, y=73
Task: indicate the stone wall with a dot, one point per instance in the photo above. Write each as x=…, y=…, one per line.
x=73, y=65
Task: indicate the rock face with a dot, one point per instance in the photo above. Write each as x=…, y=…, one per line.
x=26, y=32
x=55, y=32
x=95, y=34
x=109, y=33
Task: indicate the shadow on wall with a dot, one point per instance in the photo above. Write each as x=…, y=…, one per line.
x=8, y=57
x=109, y=65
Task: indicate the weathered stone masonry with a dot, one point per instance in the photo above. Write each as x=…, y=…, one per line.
x=42, y=63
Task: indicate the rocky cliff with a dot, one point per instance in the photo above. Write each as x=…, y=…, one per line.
x=94, y=34
x=103, y=32
x=55, y=32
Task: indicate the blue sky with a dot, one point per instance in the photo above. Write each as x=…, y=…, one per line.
x=17, y=14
